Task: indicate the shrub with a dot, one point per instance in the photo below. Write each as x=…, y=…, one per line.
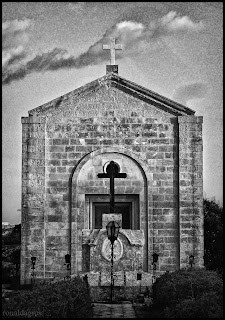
x=11, y=254
x=207, y=306
x=10, y=266
x=189, y=293
x=64, y=299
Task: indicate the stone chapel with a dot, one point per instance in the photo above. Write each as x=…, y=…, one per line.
x=67, y=142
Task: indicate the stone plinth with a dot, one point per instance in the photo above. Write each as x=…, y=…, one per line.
x=121, y=278
x=107, y=217
x=127, y=254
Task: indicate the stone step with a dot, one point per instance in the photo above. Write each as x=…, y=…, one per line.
x=121, y=310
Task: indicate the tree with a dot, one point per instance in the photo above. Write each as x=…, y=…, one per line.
x=11, y=255
x=213, y=236
x=13, y=237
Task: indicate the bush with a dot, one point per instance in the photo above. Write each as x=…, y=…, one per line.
x=189, y=293
x=64, y=299
x=10, y=265
x=11, y=254
x=207, y=306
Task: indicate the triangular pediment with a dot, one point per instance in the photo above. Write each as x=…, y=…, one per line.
x=113, y=80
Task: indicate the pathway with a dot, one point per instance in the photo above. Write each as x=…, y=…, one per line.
x=107, y=310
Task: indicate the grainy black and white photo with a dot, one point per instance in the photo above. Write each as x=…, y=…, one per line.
x=112, y=193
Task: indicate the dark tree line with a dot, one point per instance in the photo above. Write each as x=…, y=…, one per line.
x=11, y=246
x=13, y=237
x=213, y=236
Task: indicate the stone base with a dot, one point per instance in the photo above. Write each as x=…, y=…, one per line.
x=125, y=293
x=107, y=217
x=121, y=278
x=127, y=285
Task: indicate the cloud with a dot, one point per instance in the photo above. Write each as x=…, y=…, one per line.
x=12, y=55
x=59, y=58
x=14, y=28
x=15, y=36
x=53, y=60
x=191, y=91
x=172, y=24
x=131, y=34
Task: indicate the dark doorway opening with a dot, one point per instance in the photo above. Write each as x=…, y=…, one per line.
x=126, y=204
x=125, y=208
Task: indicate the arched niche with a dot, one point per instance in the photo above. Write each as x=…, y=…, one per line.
x=88, y=193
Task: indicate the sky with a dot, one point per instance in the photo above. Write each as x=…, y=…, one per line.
x=52, y=48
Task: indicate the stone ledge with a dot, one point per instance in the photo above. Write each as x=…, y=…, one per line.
x=195, y=119
x=135, y=237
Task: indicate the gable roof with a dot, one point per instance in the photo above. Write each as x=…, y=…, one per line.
x=114, y=80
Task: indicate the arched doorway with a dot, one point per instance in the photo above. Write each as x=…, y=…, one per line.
x=90, y=199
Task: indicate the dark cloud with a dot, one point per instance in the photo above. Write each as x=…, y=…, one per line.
x=191, y=91
x=15, y=57
x=54, y=60
x=131, y=34
x=17, y=74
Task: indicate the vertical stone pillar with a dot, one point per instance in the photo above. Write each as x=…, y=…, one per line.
x=191, y=217
x=33, y=198
x=24, y=267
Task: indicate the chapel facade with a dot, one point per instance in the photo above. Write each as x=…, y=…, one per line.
x=67, y=142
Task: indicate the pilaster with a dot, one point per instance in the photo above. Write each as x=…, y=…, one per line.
x=191, y=216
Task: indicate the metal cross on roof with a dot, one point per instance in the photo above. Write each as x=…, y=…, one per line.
x=112, y=47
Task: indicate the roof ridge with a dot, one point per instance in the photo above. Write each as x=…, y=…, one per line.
x=120, y=81
x=153, y=93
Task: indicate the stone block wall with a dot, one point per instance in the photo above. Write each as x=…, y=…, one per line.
x=62, y=135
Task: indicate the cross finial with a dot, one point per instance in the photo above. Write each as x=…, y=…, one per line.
x=112, y=47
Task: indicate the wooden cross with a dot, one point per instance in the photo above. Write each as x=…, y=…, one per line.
x=112, y=47
x=112, y=173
